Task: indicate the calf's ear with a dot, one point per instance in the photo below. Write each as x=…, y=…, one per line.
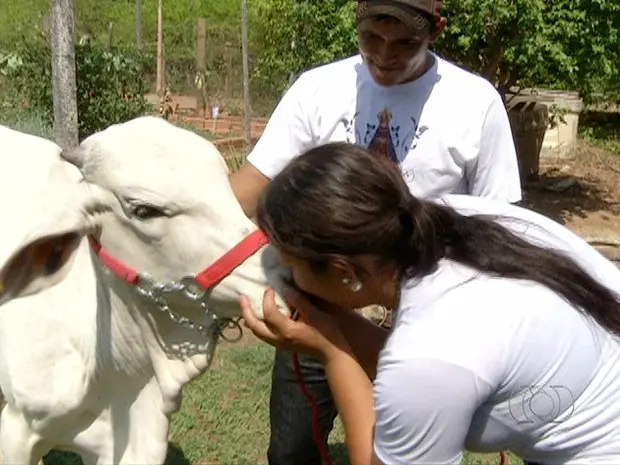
x=47, y=254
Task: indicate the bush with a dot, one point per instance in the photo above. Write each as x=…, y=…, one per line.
x=110, y=84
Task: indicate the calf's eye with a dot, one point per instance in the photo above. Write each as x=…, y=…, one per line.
x=146, y=212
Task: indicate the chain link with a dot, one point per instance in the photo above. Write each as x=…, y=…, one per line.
x=192, y=292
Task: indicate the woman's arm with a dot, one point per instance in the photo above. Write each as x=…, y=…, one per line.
x=365, y=338
x=317, y=334
x=352, y=392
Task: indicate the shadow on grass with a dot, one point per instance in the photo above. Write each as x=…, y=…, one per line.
x=338, y=453
x=175, y=457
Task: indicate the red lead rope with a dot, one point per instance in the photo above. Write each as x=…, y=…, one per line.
x=315, y=412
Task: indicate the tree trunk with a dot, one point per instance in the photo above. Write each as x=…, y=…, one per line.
x=63, y=74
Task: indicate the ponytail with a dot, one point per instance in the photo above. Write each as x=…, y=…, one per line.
x=482, y=243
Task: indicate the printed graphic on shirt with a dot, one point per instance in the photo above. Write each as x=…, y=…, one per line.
x=381, y=142
x=384, y=137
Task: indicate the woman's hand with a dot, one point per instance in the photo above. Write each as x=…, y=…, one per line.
x=315, y=333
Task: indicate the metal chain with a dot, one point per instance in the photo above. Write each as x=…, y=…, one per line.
x=153, y=292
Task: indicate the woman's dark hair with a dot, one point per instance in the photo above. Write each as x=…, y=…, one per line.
x=339, y=201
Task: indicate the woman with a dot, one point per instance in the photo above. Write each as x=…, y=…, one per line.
x=505, y=330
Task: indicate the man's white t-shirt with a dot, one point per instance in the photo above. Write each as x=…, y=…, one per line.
x=448, y=130
x=488, y=364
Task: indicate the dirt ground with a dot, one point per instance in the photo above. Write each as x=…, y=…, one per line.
x=583, y=192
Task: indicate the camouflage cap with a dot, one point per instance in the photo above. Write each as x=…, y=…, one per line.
x=416, y=14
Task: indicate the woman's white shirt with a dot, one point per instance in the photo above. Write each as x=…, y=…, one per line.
x=486, y=364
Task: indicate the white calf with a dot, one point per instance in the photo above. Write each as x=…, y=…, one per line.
x=98, y=338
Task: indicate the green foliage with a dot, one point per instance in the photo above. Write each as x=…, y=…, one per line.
x=25, y=19
x=601, y=128
x=28, y=71
x=110, y=85
x=563, y=44
x=290, y=36
x=20, y=19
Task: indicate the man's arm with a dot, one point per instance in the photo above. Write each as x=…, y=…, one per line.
x=247, y=184
x=495, y=172
x=287, y=134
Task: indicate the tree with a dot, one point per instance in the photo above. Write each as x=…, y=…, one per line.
x=63, y=74
x=289, y=36
x=560, y=44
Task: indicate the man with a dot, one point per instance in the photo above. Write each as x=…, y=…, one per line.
x=446, y=128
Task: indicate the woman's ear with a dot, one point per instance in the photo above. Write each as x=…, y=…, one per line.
x=347, y=273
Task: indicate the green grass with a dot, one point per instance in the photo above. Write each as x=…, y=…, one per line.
x=224, y=418
x=27, y=121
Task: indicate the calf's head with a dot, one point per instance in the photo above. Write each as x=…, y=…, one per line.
x=158, y=199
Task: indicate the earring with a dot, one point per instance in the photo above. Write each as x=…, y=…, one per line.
x=356, y=287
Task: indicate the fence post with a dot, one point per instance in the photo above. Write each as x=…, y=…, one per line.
x=138, y=23
x=160, y=49
x=110, y=34
x=246, y=75
x=201, y=58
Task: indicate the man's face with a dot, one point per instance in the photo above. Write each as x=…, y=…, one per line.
x=392, y=52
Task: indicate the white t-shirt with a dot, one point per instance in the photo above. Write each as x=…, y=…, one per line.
x=488, y=364
x=448, y=130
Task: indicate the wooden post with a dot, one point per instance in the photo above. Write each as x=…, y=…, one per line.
x=160, y=49
x=138, y=23
x=229, y=71
x=201, y=62
x=110, y=38
x=247, y=112
x=64, y=88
